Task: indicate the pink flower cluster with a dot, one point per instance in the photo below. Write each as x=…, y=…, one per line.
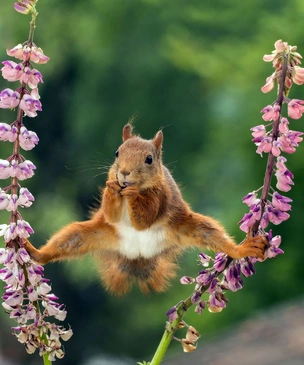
x=27, y=297
x=27, y=139
x=25, y=285
x=23, y=72
x=276, y=138
x=295, y=73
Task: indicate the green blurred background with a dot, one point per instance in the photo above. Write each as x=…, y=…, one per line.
x=191, y=67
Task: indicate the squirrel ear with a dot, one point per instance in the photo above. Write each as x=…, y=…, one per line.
x=126, y=132
x=158, y=140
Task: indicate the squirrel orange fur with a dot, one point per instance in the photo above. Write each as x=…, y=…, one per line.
x=142, y=225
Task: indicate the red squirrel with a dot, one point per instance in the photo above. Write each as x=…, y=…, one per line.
x=142, y=224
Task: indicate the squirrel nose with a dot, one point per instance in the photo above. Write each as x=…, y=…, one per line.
x=125, y=173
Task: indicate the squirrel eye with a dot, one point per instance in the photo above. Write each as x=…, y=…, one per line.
x=116, y=154
x=149, y=159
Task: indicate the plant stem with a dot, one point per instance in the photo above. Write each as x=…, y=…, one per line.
x=46, y=361
x=162, y=347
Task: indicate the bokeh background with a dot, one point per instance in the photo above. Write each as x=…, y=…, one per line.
x=191, y=67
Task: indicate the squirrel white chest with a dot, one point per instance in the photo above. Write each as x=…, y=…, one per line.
x=134, y=243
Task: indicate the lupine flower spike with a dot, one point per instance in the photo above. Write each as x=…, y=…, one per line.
x=27, y=297
x=266, y=205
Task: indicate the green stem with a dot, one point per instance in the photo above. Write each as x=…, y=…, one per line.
x=162, y=348
x=46, y=361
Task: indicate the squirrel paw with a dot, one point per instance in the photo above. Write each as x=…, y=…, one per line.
x=253, y=247
x=32, y=251
x=114, y=187
x=131, y=191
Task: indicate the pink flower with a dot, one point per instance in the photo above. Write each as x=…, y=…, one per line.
x=27, y=139
x=38, y=56
x=23, y=7
x=280, y=165
x=288, y=145
x=13, y=204
x=27, y=53
x=258, y=131
x=22, y=171
x=264, y=146
x=5, y=170
x=11, y=71
x=268, y=113
x=269, y=57
x=273, y=250
x=23, y=229
x=30, y=104
x=284, y=180
x=276, y=216
x=250, y=199
x=7, y=133
x=8, y=231
x=26, y=170
x=9, y=99
x=276, y=148
x=295, y=108
x=298, y=75
x=283, y=126
x=281, y=46
x=31, y=77
x=247, y=222
x=4, y=200
x=269, y=84
x=16, y=52
x=25, y=198
x=271, y=112
x=281, y=202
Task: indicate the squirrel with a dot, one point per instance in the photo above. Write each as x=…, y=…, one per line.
x=142, y=225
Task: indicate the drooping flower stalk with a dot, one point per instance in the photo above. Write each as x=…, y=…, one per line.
x=27, y=297
x=271, y=207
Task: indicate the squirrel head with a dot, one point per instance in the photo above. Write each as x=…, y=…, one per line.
x=138, y=161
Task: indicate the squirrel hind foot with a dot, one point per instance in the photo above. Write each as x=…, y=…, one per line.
x=253, y=247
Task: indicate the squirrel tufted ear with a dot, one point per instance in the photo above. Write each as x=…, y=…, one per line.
x=127, y=132
x=158, y=140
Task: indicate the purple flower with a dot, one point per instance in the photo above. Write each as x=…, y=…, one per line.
x=246, y=222
x=281, y=202
x=187, y=280
x=200, y=307
x=205, y=277
x=273, y=250
x=204, y=259
x=8, y=133
x=246, y=266
x=30, y=104
x=172, y=313
x=220, y=261
x=27, y=139
x=276, y=216
x=9, y=99
x=250, y=198
x=11, y=71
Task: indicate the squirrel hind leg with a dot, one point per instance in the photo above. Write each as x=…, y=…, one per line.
x=115, y=282
x=159, y=279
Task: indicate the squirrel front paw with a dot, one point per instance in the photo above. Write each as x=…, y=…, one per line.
x=114, y=187
x=130, y=191
x=253, y=247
